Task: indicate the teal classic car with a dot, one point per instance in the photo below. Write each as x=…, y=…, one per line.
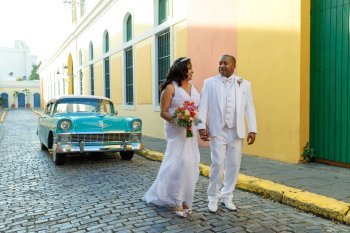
x=79, y=124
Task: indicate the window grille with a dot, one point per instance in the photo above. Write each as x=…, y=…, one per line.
x=129, y=79
x=163, y=58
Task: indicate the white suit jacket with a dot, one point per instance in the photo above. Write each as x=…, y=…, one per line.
x=211, y=106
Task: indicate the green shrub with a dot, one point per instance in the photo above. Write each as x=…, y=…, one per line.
x=309, y=153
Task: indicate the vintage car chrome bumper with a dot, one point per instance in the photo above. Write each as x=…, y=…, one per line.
x=64, y=145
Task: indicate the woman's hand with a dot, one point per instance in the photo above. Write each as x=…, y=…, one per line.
x=204, y=134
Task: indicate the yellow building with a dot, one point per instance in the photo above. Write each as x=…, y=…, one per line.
x=123, y=49
x=20, y=94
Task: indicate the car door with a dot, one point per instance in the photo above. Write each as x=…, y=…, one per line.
x=43, y=130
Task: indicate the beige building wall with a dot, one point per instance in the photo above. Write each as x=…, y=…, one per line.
x=270, y=39
x=116, y=81
x=269, y=55
x=143, y=72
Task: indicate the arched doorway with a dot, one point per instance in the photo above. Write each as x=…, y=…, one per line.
x=36, y=98
x=5, y=100
x=21, y=100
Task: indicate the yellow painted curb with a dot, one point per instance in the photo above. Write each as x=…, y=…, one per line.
x=3, y=116
x=36, y=112
x=265, y=188
x=309, y=202
x=152, y=155
x=347, y=218
x=204, y=170
x=317, y=204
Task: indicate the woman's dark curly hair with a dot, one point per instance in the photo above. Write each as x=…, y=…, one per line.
x=177, y=72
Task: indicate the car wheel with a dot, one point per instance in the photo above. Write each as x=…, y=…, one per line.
x=126, y=155
x=42, y=146
x=58, y=158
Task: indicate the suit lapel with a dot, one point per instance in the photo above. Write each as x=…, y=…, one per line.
x=219, y=91
x=238, y=90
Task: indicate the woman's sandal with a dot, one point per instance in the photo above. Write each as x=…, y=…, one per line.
x=179, y=211
x=187, y=209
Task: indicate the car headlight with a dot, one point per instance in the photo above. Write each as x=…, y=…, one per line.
x=65, y=125
x=136, y=125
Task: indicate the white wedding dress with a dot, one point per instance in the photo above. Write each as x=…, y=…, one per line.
x=179, y=172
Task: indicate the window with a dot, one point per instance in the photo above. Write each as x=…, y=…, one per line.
x=80, y=58
x=163, y=60
x=48, y=108
x=59, y=86
x=92, y=86
x=106, y=42
x=129, y=79
x=82, y=8
x=106, y=65
x=129, y=28
x=81, y=81
x=107, y=78
x=162, y=11
x=91, y=68
x=91, y=51
x=64, y=86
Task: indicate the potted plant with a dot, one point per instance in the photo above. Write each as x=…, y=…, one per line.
x=27, y=94
x=15, y=95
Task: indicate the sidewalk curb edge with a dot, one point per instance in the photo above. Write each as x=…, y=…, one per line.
x=3, y=116
x=36, y=112
x=319, y=205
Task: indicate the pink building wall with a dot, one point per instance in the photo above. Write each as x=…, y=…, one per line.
x=211, y=33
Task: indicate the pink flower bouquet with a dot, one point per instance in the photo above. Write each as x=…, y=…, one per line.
x=185, y=115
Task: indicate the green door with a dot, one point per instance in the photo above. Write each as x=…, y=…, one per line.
x=329, y=80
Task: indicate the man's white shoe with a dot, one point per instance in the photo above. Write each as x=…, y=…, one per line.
x=229, y=205
x=213, y=206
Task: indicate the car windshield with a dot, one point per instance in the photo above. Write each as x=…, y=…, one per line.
x=84, y=105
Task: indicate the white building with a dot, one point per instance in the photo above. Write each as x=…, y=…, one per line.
x=16, y=62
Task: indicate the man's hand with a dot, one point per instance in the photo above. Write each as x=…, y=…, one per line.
x=251, y=138
x=204, y=134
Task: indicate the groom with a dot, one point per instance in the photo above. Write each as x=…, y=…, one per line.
x=225, y=99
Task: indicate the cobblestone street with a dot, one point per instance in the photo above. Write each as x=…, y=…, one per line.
x=103, y=194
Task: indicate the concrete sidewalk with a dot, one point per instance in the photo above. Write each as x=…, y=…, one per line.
x=320, y=189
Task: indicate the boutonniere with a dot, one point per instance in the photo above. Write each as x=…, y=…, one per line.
x=239, y=81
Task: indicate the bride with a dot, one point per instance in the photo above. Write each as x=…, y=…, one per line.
x=179, y=172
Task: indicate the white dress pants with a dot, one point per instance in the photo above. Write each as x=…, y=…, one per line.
x=226, y=153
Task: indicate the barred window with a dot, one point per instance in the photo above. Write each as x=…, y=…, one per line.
x=129, y=77
x=163, y=60
x=92, y=85
x=81, y=81
x=107, y=77
x=106, y=65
